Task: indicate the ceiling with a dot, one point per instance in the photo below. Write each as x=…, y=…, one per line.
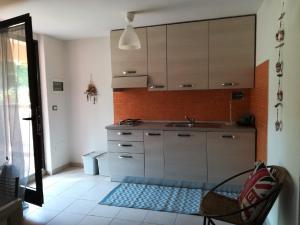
x=75, y=19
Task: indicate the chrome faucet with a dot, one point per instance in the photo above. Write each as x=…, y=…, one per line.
x=190, y=120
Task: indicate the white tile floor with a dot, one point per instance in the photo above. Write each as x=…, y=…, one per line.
x=72, y=198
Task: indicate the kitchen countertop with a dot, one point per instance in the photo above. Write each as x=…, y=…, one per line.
x=163, y=126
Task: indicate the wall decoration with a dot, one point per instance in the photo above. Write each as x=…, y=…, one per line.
x=57, y=86
x=279, y=68
x=91, y=92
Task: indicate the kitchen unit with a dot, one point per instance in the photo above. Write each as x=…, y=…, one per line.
x=204, y=153
x=201, y=55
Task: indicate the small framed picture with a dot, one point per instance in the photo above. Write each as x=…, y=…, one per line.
x=57, y=86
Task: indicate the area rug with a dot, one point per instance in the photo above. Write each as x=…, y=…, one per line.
x=157, y=197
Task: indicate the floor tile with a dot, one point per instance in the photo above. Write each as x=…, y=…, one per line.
x=188, y=219
x=124, y=222
x=94, y=220
x=104, y=211
x=58, y=204
x=41, y=216
x=80, y=207
x=157, y=217
x=132, y=214
x=66, y=219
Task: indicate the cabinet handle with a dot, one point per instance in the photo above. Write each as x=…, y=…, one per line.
x=124, y=133
x=186, y=85
x=153, y=134
x=157, y=86
x=125, y=157
x=125, y=145
x=229, y=84
x=129, y=72
x=184, y=135
x=229, y=136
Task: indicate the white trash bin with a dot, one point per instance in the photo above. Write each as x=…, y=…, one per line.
x=103, y=164
x=90, y=163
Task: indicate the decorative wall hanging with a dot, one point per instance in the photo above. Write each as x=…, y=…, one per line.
x=91, y=92
x=279, y=67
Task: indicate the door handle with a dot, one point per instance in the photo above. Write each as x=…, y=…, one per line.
x=157, y=86
x=125, y=145
x=124, y=133
x=125, y=157
x=229, y=136
x=153, y=134
x=228, y=84
x=184, y=135
x=186, y=85
x=27, y=118
x=129, y=72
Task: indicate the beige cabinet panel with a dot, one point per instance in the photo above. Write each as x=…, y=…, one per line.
x=125, y=146
x=157, y=58
x=185, y=155
x=132, y=62
x=122, y=165
x=187, y=56
x=229, y=153
x=154, y=156
x=232, y=53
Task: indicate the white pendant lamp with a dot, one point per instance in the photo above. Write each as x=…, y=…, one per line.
x=129, y=40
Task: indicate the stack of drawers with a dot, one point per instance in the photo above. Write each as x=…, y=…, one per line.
x=126, y=154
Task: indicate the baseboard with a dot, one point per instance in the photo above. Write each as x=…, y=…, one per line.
x=60, y=169
x=76, y=164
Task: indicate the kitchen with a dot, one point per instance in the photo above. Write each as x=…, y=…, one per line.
x=177, y=96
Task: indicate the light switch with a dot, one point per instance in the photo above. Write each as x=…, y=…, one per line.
x=54, y=108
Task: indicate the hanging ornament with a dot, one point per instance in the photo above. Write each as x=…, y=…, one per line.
x=91, y=92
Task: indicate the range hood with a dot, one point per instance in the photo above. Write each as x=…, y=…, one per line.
x=130, y=81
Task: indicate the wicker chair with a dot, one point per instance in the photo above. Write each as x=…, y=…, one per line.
x=219, y=207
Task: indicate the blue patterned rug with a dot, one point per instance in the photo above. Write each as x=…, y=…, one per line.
x=157, y=197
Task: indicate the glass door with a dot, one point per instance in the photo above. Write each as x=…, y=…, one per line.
x=20, y=103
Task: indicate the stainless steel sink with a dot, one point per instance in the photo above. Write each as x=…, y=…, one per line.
x=196, y=124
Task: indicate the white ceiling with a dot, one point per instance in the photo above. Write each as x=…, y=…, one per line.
x=74, y=19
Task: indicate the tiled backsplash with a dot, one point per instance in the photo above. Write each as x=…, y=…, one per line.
x=206, y=105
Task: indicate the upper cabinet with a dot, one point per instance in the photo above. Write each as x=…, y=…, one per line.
x=232, y=53
x=129, y=62
x=187, y=56
x=157, y=58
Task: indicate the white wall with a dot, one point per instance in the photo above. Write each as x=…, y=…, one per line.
x=56, y=127
x=283, y=147
x=88, y=120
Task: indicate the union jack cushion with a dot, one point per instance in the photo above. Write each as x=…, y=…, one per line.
x=258, y=185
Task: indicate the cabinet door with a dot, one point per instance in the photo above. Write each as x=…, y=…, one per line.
x=185, y=156
x=122, y=165
x=187, y=56
x=228, y=154
x=232, y=53
x=157, y=56
x=128, y=62
x=154, y=157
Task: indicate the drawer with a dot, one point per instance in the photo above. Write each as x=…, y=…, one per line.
x=125, y=135
x=122, y=165
x=126, y=146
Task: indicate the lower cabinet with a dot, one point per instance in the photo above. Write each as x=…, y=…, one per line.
x=122, y=165
x=229, y=153
x=185, y=156
x=154, y=156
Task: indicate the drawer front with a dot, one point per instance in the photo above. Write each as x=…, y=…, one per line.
x=125, y=135
x=125, y=146
x=228, y=154
x=122, y=165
